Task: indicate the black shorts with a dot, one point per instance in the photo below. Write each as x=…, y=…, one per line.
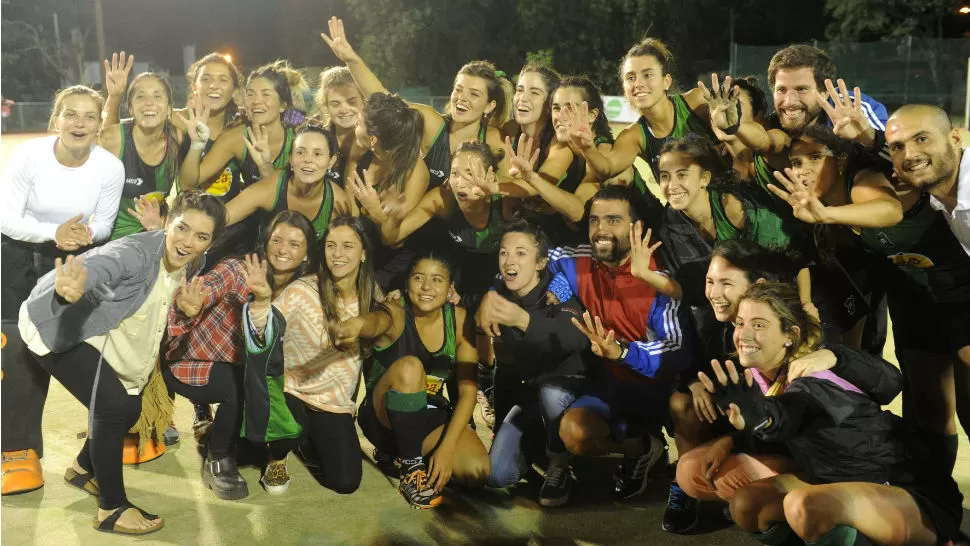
x=921, y=324
x=439, y=413
x=945, y=511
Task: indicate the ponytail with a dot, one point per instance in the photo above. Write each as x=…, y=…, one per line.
x=398, y=129
x=500, y=90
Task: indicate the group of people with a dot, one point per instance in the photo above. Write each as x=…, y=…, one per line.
x=266, y=250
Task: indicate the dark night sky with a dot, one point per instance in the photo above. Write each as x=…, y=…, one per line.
x=252, y=31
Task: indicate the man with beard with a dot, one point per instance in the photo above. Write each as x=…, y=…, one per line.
x=797, y=76
x=928, y=156
x=638, y=344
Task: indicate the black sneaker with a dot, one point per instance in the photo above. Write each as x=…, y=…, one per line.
x=414, y=487
x=203, y=420
x=223, y=478
x=630, y=479
x=681, y=513
x=555, y=486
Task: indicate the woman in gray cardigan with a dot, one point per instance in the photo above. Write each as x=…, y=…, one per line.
x=96, y=323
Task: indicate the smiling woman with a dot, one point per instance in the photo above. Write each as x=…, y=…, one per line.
x=104, y=349
x=60, y=194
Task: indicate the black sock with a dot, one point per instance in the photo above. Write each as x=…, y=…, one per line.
x=408, y=415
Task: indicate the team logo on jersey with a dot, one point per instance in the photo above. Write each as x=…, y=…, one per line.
x=137, y=181
x=222, y=184
x=911, y=259
x=456, y=237
x=436, y=172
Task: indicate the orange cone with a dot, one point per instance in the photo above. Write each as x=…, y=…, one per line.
x=153, y=450
x=21, y=472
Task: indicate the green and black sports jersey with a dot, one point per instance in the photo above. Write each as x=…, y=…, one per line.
x=479, y=241
x=685, y=123
x=324, y=214
x=439, y=365
x=141, y=179
x=923, y=247
x=762, y=224
x=249, y=171
x=438, y=157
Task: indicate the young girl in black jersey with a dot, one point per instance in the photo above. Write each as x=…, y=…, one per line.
x=420, y=346
x=472, y=217
x=255, y=151
x=304, y=187
x=147, y=145
x=479, y=105
x=645, y=73
x=339, y=102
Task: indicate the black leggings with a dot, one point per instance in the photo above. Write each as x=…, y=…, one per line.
x=333, y=438
x=23, y=390
x=224, y=388
x=114, y=412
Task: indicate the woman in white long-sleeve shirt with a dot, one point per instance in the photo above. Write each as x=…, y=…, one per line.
x=60, y=194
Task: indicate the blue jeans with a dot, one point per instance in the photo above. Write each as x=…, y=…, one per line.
x=507, y=456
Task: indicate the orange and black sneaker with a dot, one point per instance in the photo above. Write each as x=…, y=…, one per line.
x=414, y=487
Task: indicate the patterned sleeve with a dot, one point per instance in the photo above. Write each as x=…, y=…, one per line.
x=226, y=278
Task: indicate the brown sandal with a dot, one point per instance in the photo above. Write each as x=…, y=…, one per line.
x=110, y=523
x=85, y=482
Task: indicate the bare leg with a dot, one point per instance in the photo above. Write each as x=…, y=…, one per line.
x=885, y=514
x=756, y=506
x=586, y=433
x=405, y=375
x=471, y=466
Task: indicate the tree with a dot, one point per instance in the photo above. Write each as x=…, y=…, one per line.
x=860, y=20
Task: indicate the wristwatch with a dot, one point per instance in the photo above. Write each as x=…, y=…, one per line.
x=624, y=349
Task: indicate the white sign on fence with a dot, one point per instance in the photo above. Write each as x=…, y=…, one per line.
x=618, y=110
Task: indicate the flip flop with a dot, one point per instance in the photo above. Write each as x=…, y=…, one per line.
x=110, y=523
x=85, y=482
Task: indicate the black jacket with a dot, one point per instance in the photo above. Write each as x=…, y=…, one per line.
x=550, y=346
x=835, y=433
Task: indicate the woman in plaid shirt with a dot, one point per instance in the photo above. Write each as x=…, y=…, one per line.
x=205, y=350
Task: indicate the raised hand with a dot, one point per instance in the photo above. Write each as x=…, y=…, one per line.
x=485, y=180
x=722, y=101
x=197, y=123
x=72, y=234
x=69, y=278
x=604, y=343
x=148, y=212
x=257, y=142
x=365, y=193
x=580, y=133
x=523, y=159
x=256, y=275
x=641, y=251
x=496, y=311
x=845, y=112
x=805, y=204
x=116, y=73
x=338, y=41
x=727, y=378
x=191, y=297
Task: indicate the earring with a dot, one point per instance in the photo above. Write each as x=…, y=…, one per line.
x=788, y=344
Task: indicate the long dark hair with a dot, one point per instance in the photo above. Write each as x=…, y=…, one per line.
x=398, y=129
x=232, y=108
x=170, y=161
x=550, y=78
x=367, y=289
x=704, y=155
x=300, y=222
x=591, y=94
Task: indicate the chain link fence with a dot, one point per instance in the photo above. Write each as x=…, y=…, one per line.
x=27, y=117
x=905, y=71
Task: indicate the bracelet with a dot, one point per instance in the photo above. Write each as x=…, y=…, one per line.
x=624, y=350
x=733, y=129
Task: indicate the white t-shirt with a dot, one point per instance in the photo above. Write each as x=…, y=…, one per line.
x=959, y=219
x=39, y=193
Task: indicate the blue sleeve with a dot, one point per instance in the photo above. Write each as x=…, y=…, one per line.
x=875, y=112
x=562, y=264
x=666, y=352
